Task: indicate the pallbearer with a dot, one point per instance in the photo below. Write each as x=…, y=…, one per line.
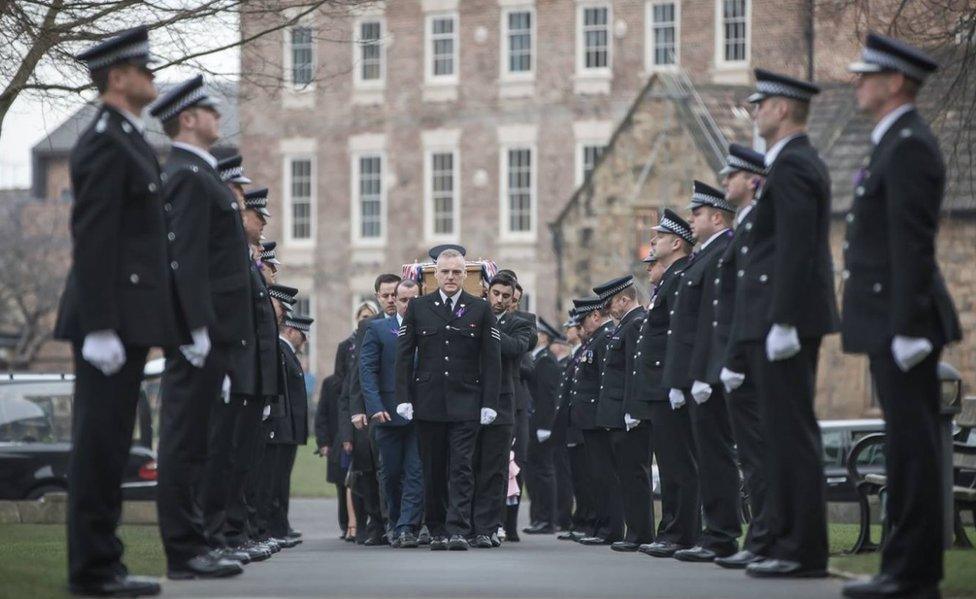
x=897, y=309
x=117, y=304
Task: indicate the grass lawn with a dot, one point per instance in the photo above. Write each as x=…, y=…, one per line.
x=33, y=558
x=308, y=475
x=960, y=564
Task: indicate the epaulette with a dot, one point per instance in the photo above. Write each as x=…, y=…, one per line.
x=102, y=123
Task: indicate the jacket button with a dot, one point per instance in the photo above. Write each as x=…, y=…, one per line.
x=446, y=373
x=657, y=362
x=447, y=359
x=134, y=279
x=717, y=280
x=194, y=169
x=671, y=312
x=860, y=190
x=876, y=287
x=634, y=373
x=272, y=432
x=846, y=274
x=162, y=177
x=714, y=302
x=763, y=278
x=152, y=188
x=167, y=207
x=174, y=264
x=847, y=245
x=171, y=236
x=243, y=342
x=745, y=249
x=740, y=274
x=714, y=323
x=850, y=217
x=233, y=205
x=669, y=331
x=748, y=226
x=260, y=294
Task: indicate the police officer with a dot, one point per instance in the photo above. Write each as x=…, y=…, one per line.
x=630, y=441
x=608, y=526
x=671, y=434
x=718, y=474
x=448, y=375
x=784, y=305
x=494, y=443
x=209, y=259
x=714, y=362
x=897, y=309
x=116, y=305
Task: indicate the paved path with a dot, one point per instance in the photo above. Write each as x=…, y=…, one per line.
x=538, y=567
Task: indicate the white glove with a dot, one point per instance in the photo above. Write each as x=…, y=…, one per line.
x=731, y=380
x=630, y=422
x=701, y=392
x=104, y=351
x=196, y=352
x=677, y=398
x=405, y=410
x=909, y=351
x=782, y=342
x=542, y=435
x=266, y=412
x=488, y=415
x=225, y=389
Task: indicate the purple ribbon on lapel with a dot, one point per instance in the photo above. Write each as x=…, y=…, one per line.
x=860, y=176
x=459, y=312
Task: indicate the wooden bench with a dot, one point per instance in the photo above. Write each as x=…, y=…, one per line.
x=964, y=478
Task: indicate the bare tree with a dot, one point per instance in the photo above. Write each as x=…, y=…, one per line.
x=38, y=38
x=35, y=260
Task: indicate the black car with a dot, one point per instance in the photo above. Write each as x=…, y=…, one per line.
x=838, y=437
x=35, y=440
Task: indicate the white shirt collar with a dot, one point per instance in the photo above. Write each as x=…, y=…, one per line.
x=887, y=121
x=745, y=210
x=454, y=297
x=399, y=319
x=203, y=154
x=774, y=151
x=535, y=352
x=712, y=238
x=289, y=344
x=135, y=121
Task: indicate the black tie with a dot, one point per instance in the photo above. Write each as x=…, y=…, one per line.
x=447, y=303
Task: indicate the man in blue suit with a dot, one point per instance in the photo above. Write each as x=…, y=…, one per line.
x=401, y=471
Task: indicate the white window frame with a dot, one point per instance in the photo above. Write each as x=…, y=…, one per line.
x=288, y=62
x=506, y=73
x=357, y=236
x=720, y=62
x=649, y=64
x=287, y=205
x=581, y=146
x=589, y=133
x=581, y=68
x=441, y=141
x=357, y=56
x=514, y=137
x=429, y=77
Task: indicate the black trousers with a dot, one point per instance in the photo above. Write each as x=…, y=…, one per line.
x=541, y=471
x=564, y=482
x=743, y=407
x=187, y=397
x=446, y=449
x=913, y=548
x=521, y=448
x=584, y=514
x=632, y=460
x=248, y=436
x=490, y=463
x=677, y=464
x=278, y=523
x=255, y=486
x=609, y=522
x=343, y=512
x=218, y=471
x=718, y=473
x=103, y=417
x=794, y=467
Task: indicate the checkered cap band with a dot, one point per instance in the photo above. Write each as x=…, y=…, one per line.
x=136, y=50
x=269, y=256
x=282, y=296
x=256, y=203
x=734, y=163
x=700, y=199
x=302, y=323
x=197, y=95
x=777, y=88
x=228, y=175
x=582, y=311
x=608, y=293
x=895, y=63
x=676, y=228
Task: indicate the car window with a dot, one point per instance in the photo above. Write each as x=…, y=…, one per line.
x=833, y=448
x=872, y=456
x=35, y=412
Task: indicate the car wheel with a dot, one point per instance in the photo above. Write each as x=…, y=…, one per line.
x=43, y=490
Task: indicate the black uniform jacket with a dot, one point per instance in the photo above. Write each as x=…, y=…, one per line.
x=688, y=294
x=517, y=336
x=208, y=251
x=256, y=367
x=523, y=391
x=291, y=426
x=120, y=277
x=326, y=426
x=614, y=379
x=652, y=340
x=448, y=364
x=544, y=383
x=892, y=282
x=561, y=429
x=586, y=379
x=786, y=275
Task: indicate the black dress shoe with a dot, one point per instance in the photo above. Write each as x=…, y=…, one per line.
x=294, y=534
x=256, y=552
x=539, y=528
x=483, y=542
x=695, y=554
x=884, y=586
x=438, y=544
x=495, y=541
x=458, y=543
x=783, y=568
x=660, y=549
x=594, y=541
x=374, y=540
x=235, y=555
x=275, y=546
x=423, y=537
x=512, y=537
x=624, y=546
x=351, y=539
x=120, y=586
x=739, y=561
x=406, y=540
x=208, y=565
x=566, y=535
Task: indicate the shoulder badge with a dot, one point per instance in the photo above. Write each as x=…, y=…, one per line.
x=102, y=123
x=906, y=132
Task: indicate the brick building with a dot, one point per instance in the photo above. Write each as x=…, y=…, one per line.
x=415, y=122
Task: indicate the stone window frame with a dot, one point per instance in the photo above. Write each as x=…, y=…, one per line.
x=650, y=30
x=720, y=41
x=430, y=78
x=288, y=198
x=588, y=134
x=367, y=145
x=509, y=8
x=288, y=55
x=359, y=47
x=442, y=141
x=593, y=80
